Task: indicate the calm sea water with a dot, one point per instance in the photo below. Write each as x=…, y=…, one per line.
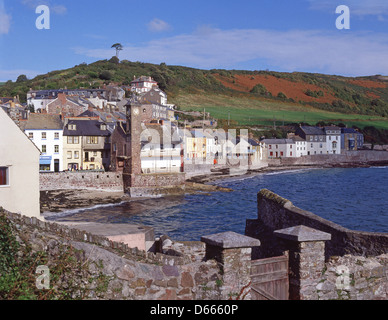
x=356, y=198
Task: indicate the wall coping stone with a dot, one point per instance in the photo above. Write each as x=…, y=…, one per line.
x=230, y=240
x=302, y=234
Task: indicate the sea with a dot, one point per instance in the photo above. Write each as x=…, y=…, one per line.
x=355, y=198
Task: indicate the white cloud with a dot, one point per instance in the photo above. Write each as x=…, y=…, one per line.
x=352, y=54
x=157, y=25
x=5, y=20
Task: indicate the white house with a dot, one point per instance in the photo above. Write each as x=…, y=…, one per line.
x=46, y=131
x=161, y=150
x=143, y=84
x=300, y=146
x=280, y=148
x=333, y=139
x=19, y=170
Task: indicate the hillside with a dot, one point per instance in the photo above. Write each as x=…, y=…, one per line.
x=244, y=97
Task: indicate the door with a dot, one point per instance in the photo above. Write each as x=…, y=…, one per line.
x=56, y=165
x=269, y=279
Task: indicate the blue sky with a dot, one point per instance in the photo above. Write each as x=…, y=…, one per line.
x=279, y=35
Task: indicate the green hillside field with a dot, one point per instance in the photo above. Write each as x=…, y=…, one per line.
x=251, y=112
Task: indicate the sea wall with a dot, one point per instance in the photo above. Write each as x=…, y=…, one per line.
x=275, y=212
x=107, y=181
x=361, y=157
x=326, y=261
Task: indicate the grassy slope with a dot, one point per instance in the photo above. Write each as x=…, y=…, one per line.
x=248, y=111
x=223, y=93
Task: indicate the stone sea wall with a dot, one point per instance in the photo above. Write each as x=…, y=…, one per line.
x=107, y=181
x=326, y=261
x=361, y=157
x=275, y=212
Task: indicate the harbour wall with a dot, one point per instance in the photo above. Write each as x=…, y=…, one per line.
x=67, y=180
x=346, y=158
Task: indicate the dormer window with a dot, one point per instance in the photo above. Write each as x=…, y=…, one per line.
x=72, y=127
x=103, y=127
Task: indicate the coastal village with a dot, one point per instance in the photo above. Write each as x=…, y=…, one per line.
x=129, y=139
x=132, y=131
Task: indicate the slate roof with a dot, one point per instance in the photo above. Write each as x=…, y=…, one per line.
x=86, y=128
x=349, y=130
x=313, y=130
x=38, y=121
x=278, y=141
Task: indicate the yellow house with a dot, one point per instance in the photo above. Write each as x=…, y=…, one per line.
x=19, y=170
x=86, y=145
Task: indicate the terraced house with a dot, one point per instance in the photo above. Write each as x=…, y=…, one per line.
x=86, y=145
x=315, y=139
x=46, y=131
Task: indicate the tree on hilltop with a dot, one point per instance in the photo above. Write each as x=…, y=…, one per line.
x=118, y=47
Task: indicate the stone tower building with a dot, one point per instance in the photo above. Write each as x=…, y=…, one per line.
x=136, y=182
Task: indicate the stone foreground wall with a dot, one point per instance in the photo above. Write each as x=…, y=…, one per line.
x=107, y=181
x=354, y=278
x=112, y=270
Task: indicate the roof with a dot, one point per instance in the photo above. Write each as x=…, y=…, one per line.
x=38, y=121
x=159, y=134
x=349, y=130
x=86, y=128
x=278, y=141
x=313, y=130
x=297, y=138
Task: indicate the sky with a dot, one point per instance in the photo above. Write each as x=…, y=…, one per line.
x=276, y=35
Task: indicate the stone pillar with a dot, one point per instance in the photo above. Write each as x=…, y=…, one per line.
x=306, y=248
x=232, y=251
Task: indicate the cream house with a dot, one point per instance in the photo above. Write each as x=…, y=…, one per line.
x=19, y=170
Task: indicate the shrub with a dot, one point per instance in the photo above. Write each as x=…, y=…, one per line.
x=105, y=75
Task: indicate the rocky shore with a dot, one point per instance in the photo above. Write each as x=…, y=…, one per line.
x=61, y=200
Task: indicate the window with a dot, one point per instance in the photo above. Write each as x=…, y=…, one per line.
x=44, y=135
x=56, y=149
x=94, y=153
x=291, y=153
x=69, y=154
x=76, y=154
x=56, y=135
x=72, y=140
x=271, y=154
x=31, y=135
x=270, y=147
x=281, y=153
x=44, y=148
x=103, y=127
x=92, y=140
x=72, y=127
x=4, y=180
